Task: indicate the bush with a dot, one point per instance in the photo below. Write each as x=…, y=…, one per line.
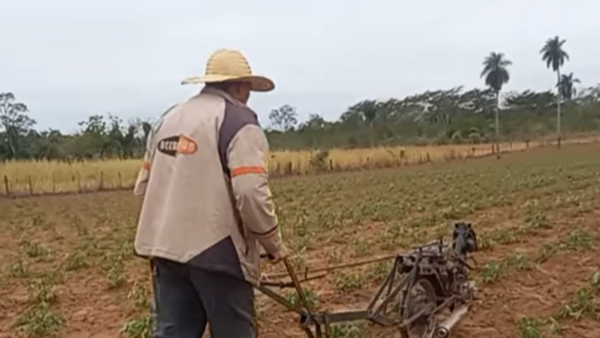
x=319, y=161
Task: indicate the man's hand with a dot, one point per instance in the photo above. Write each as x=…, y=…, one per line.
x=278, y=256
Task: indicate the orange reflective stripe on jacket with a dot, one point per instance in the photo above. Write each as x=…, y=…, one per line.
x=247, y=170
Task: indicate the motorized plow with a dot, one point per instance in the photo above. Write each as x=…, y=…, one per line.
x=425, y=295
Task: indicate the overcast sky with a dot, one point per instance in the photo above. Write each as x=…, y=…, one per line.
x=68, y=59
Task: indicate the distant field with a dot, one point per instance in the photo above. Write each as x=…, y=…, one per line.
x=67, y=264
x=31, y=177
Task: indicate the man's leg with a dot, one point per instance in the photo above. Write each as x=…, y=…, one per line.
x=228, y=302
x=180, y=312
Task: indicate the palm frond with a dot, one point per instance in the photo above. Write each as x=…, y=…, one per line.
x=495, y=70
x=553, y=53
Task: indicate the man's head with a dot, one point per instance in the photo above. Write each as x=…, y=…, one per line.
x=229, y=70
x=239, y=90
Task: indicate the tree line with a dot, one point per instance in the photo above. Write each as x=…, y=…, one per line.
x=454, y=115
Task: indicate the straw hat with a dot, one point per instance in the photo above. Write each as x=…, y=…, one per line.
x=228, y=65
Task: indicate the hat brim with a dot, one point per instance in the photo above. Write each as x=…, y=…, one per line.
x=257, y=83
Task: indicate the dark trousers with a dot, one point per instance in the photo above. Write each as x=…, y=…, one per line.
x=189, y=297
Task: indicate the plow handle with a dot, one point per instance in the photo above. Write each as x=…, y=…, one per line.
x=296, y=283
x=293, y=276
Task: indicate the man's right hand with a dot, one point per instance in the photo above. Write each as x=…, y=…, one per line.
x=278, y=256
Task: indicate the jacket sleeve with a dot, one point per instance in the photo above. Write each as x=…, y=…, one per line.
x=246, y=156
x=143, y=176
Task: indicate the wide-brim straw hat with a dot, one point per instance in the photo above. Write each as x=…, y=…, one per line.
x=226, y=65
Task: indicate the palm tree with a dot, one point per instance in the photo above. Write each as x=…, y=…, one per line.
x=496, y=75
x=566, y=86
x=555, y=56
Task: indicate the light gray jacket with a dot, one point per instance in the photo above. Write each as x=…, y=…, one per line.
x=204, y=182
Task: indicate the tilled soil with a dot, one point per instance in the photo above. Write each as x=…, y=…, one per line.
x=70, y=257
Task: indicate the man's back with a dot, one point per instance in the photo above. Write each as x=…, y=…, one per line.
x=188, y=205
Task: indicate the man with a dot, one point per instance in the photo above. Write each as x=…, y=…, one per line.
x=207, y=205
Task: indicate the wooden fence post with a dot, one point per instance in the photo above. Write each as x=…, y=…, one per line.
x=120, y=182
x=30, y=185
x=6, y=188
x=101, y=184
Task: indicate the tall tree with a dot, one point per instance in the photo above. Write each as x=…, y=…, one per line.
x=367, y=110
x=93, y=140
x=14, y=122
x=315, y=121
x=555, y=56
x=566, y=86
x=495, y=71
x=284, y=118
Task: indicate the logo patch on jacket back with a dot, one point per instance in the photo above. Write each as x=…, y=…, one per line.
x=174, y=145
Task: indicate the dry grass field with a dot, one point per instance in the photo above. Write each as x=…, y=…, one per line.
x=34, y=177
x=67, y=267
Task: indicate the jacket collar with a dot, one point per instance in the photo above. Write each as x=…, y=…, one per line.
x=222, y=94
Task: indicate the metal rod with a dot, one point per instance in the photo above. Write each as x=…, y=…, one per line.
x=416, y=315
x=309, y=333
x=296, y=283
x=336, y=267
x=282, y=301
x=391, y=296
x=388, y=281
x=302, y=297
x=396, y=269
x=338, y=317
x=442, y=306
x=281, y=284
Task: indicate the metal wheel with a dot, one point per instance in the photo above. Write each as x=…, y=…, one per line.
x=418, y=297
